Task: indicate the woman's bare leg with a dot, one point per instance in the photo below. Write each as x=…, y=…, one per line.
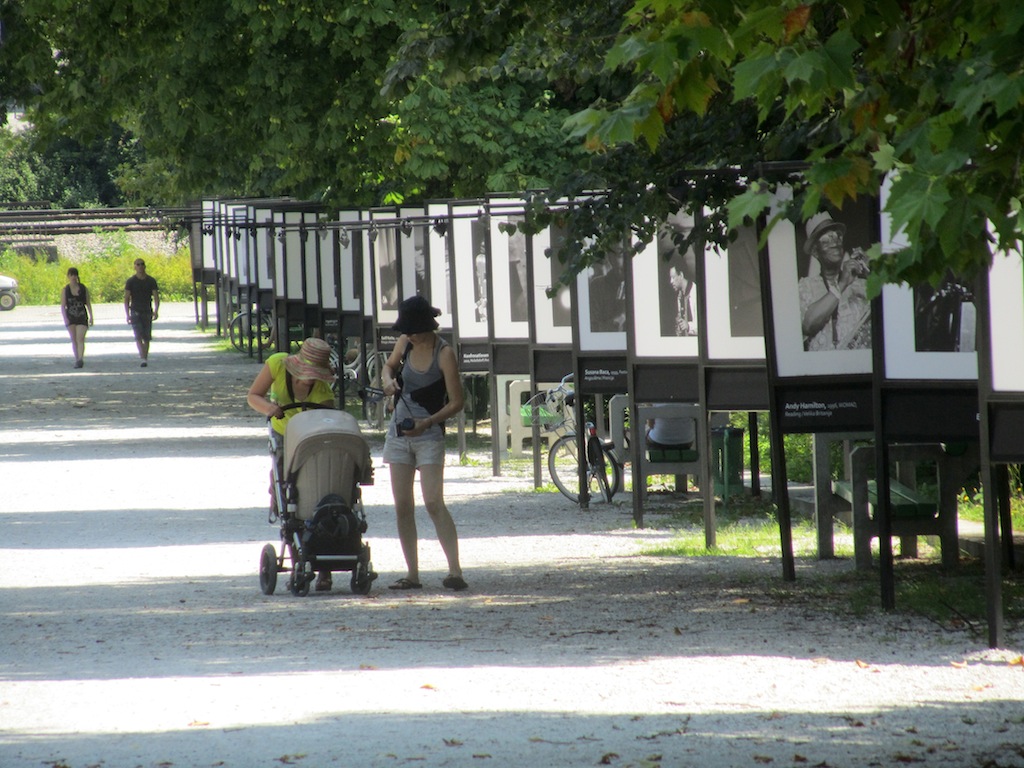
x=403, y=478
x=432, y=486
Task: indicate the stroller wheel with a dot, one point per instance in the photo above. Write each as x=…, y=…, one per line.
x=300, y=580
x=268, y=569
x=362, y=578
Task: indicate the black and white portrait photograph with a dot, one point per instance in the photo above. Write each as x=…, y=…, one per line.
x=384, y=248
x=945, y=317
x=735, y=321
x=344, y=241
x=834, y=308
x=552, y=314
x=677, y=279
x=508, y=271
x=469, y=260
x=820, y=310
x=479, y=231
x=438, y=264
x=601, y=293
x=665, y=319
x=607, y=291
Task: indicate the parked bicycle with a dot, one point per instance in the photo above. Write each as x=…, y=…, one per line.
x=554, y=411
x=246, y=335
x=351, y=377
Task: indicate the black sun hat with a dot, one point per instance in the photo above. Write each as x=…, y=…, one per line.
x=415, y=315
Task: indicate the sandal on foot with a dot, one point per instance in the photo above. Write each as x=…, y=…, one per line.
x=404, y=583
x=455, y=582
x=324, y=583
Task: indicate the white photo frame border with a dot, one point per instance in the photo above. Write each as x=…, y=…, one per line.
x=722, y=343
x=1006, y=322
x=438, y=262
x=591, y=340
x=648, y=341
x=468, y=326
x=902, y=360
x=791, y=359
x=505, y=211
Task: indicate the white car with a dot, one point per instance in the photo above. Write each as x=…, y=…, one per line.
x=8, y=293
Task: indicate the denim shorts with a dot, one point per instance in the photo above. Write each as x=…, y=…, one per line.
x=412, y=450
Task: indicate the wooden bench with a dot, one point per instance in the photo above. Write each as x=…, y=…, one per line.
x=911, y=514
x=904, y=502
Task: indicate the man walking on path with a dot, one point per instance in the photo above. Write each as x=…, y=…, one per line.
x=141, y=307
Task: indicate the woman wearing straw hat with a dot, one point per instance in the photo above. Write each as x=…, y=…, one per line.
x=422, y=374
x=304, y=377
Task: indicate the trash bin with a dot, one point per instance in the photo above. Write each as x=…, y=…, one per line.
x=727, y=460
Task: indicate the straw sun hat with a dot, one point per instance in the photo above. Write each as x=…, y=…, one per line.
x=312, y=361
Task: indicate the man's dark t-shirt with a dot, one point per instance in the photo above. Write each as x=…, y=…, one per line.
x=141, y=290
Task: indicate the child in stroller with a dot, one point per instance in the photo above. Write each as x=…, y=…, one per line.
x=319, y=504
x=323, y=462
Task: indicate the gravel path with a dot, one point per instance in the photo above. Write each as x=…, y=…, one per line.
x=134, y=632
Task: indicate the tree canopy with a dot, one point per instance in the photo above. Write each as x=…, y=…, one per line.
x=657, y=103
x=928, y=93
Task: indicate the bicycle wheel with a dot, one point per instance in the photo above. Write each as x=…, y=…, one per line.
x=603, y=472
x=375, y=412
x=564, y=467
x=603, y=476
x=266, y=330
x=235, y=332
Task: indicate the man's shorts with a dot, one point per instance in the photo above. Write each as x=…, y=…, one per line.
x=414, y=451
x=142, y=325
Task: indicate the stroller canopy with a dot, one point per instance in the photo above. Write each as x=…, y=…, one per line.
x=324, y=452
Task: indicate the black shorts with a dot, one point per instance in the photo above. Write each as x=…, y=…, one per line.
x=142, y=324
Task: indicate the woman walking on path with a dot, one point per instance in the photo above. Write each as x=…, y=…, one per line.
x=423, y=375
x=76, y=306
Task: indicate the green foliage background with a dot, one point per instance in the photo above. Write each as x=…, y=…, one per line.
x=103, y=272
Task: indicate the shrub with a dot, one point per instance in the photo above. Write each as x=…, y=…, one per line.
x=103, y=270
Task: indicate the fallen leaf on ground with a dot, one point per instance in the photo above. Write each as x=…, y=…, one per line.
x=958, y=664
x=863, y=664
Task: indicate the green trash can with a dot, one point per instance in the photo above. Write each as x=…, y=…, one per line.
x=727, y=460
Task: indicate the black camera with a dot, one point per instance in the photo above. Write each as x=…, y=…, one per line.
x=405, y=425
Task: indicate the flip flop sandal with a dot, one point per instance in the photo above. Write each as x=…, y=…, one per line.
x=455, y=582
x=404, y=583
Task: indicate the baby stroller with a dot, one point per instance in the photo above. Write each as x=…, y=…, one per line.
x=316, y=496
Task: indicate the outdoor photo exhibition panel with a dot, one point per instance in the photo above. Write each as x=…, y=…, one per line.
x=508, y=269
x=349, y=294
x=438, y=266
x=735, y=319
x=807, y=340
x=819, y=333
x=469, y=256
x=600, y=303
x=665, y=296
x=384, y=256
x=552, y=314
x=1001, y=413
x=930, y=332
x=412, y=249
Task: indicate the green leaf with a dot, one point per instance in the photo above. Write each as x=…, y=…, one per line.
x=745, y=208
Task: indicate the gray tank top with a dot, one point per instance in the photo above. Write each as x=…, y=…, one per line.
x=406, y=405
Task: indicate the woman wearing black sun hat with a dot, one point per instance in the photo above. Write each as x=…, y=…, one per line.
x=422, y=375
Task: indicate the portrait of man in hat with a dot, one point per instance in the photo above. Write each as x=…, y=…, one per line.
x=834, y=309
x=677, y=277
